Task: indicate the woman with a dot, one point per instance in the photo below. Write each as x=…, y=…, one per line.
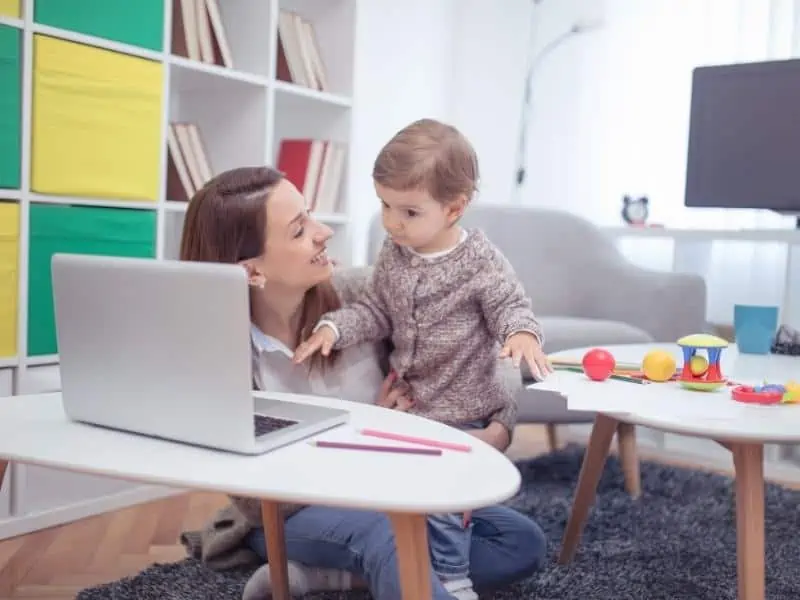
x=256, y=218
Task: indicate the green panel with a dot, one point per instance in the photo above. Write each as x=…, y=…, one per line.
x=77, y=230
x=135, y=22
x=10, y=106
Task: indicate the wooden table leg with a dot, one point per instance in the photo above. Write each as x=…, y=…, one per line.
x=628, y=457
x=748, y=461
x=413, y=559
x=272, y=518
x=593, y=462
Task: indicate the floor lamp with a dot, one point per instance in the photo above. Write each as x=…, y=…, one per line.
x=535, y=59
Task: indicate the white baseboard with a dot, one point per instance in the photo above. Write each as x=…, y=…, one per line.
x=23, y=524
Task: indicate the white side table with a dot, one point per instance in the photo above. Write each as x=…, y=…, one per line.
x=34, y=429
x=741, y=428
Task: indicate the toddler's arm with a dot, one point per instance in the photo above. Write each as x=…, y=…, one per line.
x=508, y=312
x=365, y=320
x=506, y=306
x=367, y=317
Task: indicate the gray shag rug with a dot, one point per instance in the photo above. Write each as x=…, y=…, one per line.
x=678, y=541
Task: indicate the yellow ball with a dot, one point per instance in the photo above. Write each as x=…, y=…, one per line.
x=658, y=365
x=698, y=365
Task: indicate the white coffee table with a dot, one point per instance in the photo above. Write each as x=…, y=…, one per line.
x=741, y=428
x=34, y=429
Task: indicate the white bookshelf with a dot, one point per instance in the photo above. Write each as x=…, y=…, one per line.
x=243, y=113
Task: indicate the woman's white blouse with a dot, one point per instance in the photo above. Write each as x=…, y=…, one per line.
x=356, y=376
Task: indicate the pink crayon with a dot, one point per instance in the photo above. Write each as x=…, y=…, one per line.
x=397, y=437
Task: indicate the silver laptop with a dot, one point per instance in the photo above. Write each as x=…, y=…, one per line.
x=162, y=348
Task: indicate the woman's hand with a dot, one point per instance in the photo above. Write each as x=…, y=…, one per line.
x=394, y=394
x=495, y=434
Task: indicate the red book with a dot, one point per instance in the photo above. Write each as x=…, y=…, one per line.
x=301, y=160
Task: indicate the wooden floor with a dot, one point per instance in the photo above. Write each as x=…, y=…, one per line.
x=56, y=563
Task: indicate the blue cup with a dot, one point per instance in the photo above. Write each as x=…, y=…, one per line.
x=755, y=327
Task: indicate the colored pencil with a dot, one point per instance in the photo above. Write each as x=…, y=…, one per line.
x=566, y=362
x=639, y=380
x=398, y=437
x=375, y=448
x=619, y=376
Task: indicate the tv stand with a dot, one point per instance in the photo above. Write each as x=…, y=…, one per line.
x=692, y=249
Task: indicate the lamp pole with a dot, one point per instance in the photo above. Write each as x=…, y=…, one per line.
x=535, y=59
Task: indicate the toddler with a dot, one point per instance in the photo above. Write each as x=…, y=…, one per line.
x=449, y=301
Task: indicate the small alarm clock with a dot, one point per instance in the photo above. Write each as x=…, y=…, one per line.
x=635, y=212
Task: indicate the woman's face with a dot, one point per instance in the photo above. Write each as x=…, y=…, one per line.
x=295, y=255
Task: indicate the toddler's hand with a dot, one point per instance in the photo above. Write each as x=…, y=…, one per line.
x=321, y=340
x=525, y=345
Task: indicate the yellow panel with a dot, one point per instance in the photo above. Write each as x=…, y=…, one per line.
x=96, y=122
x=9, y=244
x=11, y=8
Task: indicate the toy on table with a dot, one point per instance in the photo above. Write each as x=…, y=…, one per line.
x=701, y=373
x=658, y=365
x=768, y=393
x=757, y=395
x=598, y=364
x=792, y=395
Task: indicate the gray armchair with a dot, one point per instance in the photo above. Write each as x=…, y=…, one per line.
x=585, y=293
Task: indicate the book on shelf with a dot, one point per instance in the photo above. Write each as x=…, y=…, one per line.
x=299, y=57
x=316, y=168
x=188, y=167
x=198, y=32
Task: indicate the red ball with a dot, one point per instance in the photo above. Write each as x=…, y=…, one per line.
x=598, y=364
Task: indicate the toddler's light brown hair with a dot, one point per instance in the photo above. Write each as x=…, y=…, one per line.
x=428, y=156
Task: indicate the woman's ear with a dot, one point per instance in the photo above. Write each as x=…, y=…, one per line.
x=255, y=278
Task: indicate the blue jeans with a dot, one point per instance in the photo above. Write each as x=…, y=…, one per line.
x=448, y=540
x=506, y=546
x=449, y=544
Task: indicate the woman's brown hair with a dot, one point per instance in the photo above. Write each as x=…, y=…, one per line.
x=226, y=222
x=431, y=156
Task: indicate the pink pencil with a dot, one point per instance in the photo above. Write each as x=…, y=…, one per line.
x=397, y=437
x=373, y=448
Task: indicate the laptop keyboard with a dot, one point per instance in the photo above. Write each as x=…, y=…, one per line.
x=264, y=424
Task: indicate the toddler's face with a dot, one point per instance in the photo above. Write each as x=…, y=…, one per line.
x=415, y=220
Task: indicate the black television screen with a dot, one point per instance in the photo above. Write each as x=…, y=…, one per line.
x=744, y=137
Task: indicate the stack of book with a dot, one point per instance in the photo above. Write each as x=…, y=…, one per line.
x=316, y=168
x=198, y=32
x=299, y=57
x=188, y=167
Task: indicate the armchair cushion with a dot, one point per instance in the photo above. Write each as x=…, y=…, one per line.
x=563, y=333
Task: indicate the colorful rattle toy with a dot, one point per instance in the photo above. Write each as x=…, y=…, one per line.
x=701, y=373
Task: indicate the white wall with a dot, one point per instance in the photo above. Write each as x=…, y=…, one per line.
x=404, y=53
x=492, y=47
x=490, y=50
x=610, y=112
x=610, y=107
